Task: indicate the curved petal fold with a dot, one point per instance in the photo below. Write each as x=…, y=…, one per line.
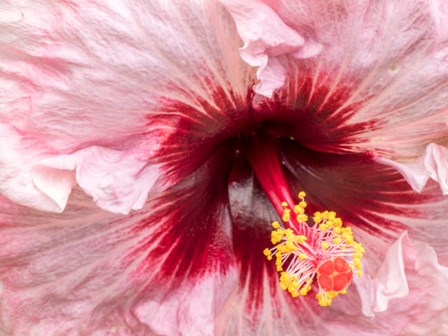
x=16, y=180
x=266, y=39
x=117, y=181
x=407, y=290
x=433, y=164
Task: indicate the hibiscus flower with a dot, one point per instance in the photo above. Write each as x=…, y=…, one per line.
x=147, y=147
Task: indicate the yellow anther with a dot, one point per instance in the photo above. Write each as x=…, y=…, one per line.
x=360, y=273
x=344, y=291
x=281, y=248
x=293, y=286
x=302, y=194
x=291, y=247
x=289, y=233
x=323, y=227
x=284, y=204
x=305, y=289
x=332, y=294
x=302, y=256
x=357, y=263
x=359, y=248
x=285, y=277
x=331, y=215
x=324, y=245
x=298, y=210
x=302, y=218
x=303, y=204
x=301, y=239
x=348, y=237
x=275, y=225
x=276, y=237
x=337, y=240
x=323, y=301
x=267, y=252
x=286, y=217
x=337, y=222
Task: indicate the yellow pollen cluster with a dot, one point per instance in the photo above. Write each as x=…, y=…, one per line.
x=300, y=249
x=325, y=298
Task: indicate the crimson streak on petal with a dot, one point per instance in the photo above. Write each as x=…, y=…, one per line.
x=190, y=227
x=316, y=115
x=364, y=193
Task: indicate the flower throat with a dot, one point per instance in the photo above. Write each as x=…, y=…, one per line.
x=315, y=254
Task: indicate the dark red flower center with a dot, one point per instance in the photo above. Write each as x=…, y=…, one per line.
x=301, y=142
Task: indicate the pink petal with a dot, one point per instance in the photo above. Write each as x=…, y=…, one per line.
x=104, y=174
x=190, y=309
x=390, y=281
x=70, y=70
x=16, y=180
x=408, y=287
x=433, y=164
x=388, y=59
x=87, y=270
x=61, y=273
x=266, y=38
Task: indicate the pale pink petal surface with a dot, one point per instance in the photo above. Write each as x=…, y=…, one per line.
x=155, y=99
x=73, y=79
x=87, y=270
x=94, y=89
x=384, y=63
x=407, y=290
x=266, y=38
x=433, y=164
